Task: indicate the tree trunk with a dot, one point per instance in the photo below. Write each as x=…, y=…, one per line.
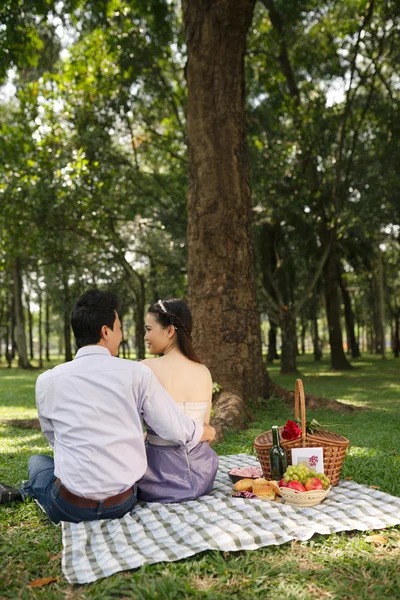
x=20, y=334
x=8, y=329
x=221, y=282
x=381, y=303
x=139, y=316
x=30, y=325
x=2, y=320
x=396, y=336
x=139, y=335
x=67, y=322
x=338, y=357
x=314, y=327
x=289, y=344
x=47, y=327
x=349, y=318
x=40, y=326
x=376, y=330
x=303, y=335
x=61, y=343
x=272, y=335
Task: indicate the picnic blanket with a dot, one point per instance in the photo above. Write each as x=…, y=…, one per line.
x=155, y=532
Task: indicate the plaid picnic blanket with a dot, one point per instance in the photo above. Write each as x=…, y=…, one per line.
x=156, y=532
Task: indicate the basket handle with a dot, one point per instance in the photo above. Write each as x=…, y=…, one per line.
x=300, y=398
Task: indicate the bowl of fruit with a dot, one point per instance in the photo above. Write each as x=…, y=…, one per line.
x=236, y=474
x=301, y=486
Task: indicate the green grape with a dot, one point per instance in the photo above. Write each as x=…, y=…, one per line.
x=324, y=479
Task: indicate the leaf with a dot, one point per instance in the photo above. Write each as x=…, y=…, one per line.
x=374, y=487
x=41, y=582
x=348, y=478
x=376, y=539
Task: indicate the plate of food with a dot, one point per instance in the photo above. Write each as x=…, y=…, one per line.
x=236, y=474
x=258, y=488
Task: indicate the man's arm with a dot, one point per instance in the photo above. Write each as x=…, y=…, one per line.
x=45, y=424
x=163, y=415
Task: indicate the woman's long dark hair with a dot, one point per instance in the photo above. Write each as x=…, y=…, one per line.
x=175, y=311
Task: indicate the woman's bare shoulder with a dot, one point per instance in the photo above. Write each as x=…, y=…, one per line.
x=150, y=362
x=203, y=371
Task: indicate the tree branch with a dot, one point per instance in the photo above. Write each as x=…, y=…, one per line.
x=311, y=284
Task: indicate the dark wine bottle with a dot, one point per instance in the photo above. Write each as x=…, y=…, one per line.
x=277, y=456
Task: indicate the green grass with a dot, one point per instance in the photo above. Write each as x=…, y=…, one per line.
x=342, y=566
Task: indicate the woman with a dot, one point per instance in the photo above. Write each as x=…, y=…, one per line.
x=174, y=473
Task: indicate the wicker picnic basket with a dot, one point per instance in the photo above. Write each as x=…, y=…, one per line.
x=334, y=445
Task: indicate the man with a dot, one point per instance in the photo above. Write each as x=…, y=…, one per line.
x=91, y=412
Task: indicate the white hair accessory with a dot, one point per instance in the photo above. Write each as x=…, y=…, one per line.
x=161, y=305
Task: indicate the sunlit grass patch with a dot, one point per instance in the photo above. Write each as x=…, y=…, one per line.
x=336, y=566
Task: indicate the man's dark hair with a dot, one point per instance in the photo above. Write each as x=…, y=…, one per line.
x=93, y=310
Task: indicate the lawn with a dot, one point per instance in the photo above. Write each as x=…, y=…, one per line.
x=342, y=566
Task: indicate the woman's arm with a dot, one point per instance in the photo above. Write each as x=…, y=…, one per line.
x=208, y=394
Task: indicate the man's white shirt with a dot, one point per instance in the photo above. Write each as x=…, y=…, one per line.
x=92, y=409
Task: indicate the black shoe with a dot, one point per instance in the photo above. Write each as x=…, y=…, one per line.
x=9, y=494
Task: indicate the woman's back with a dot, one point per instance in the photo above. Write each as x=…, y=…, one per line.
x=184, y=379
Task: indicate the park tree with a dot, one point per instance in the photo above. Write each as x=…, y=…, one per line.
x=220, y=254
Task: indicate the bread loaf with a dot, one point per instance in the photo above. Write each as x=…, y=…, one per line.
x=244, y=485
x=262, y=489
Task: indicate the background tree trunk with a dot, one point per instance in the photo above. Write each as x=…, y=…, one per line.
x=221, y=283
x=349, y=318
x=381, y=303
x=289, y=344
x=396, y=336
x=30, y=325
x=139, y=316
x=272, y=335
x=20, y=335
x=338, y=357
x=67, y=322
x=47, y=327
x=376, y=329
x=314, y=327
x=40, y=327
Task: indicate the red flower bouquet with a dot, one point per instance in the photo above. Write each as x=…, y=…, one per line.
x=291, y=431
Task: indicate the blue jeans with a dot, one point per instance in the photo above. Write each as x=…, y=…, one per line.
x=43, y=488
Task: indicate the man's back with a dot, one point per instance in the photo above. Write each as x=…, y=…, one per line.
x=93, y=406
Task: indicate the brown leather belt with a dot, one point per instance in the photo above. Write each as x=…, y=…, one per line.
x=82, y=502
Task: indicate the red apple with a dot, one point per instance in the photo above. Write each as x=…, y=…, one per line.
x=313, y=483
x=296, y=485
x=282, y=483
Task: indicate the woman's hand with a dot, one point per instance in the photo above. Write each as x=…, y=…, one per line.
x=208, y=433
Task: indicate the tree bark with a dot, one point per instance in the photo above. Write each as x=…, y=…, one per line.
x=338, y=357
x=20, y=334
x=289, y=344
x=349, y=317
x=221, y=282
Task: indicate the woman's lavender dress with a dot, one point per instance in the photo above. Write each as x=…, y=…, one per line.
x=175, y=474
